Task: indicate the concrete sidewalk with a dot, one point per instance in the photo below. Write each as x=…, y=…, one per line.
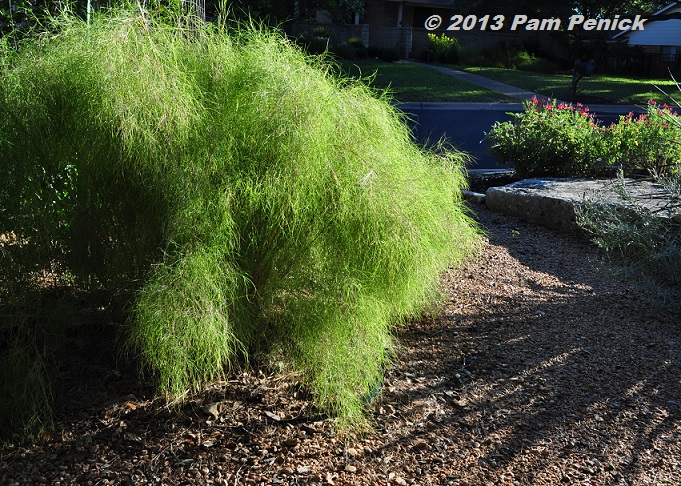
x=490, y=84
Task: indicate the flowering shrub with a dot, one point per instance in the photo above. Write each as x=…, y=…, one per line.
x=557, y=139
x=443, y=48
x=548, y=139
x=650, y=142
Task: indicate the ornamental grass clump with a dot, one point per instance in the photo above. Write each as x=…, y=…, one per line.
x=241, y=201
x=642, y=241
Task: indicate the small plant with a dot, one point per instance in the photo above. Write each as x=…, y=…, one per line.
x=548, y=139
x=443, y=48
x=356, y=42
x=313, y=44
x=645, y=242
x=321, y=31
x=529, y=62
x=359, y=49
x=344, y=51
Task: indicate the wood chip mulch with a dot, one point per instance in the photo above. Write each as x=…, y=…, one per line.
x=540, y=369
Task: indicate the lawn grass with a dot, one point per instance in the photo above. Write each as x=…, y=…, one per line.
x=410, y=82
x=603, y=88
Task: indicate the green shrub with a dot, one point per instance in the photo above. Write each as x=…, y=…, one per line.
x=344, y=51
x=313, y=43
x=238, y=198
x=374, y=51
x=555, y=139
x=649, y=142
x=389, y=54
x=507, y=57
x=529, y=62
x=470, y=56
x=444, y=49
x=359, y=49
x=321, y=31
x=356, y=42
x=548, y=139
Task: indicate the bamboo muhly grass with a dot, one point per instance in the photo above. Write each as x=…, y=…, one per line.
x=246, y=200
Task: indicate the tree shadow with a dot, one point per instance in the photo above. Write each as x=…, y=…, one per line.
x=551, y=372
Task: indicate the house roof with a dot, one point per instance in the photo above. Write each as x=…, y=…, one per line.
x=663, y=11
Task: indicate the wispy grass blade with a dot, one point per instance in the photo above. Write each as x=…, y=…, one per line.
x=243, y=199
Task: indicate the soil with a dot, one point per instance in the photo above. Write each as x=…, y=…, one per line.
x=539, y=369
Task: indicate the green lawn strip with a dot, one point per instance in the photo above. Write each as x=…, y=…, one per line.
x=409, y=82
x=614, y=89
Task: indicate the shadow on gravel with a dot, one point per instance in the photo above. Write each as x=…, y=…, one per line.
x=542, y=370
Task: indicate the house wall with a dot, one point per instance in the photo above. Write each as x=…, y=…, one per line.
x=338, y=33
x=661, y=33
x=655, y=59
x=411, y=38
x=380, y=28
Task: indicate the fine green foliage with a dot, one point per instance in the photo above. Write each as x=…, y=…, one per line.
x=646, y=243
x=242, y=199
x=548, y=139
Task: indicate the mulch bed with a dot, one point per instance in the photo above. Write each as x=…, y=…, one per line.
x=540, y=368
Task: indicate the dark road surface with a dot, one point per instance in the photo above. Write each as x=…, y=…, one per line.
x=464, y=124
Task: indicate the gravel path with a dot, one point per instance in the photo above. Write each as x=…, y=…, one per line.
x=538, y=370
